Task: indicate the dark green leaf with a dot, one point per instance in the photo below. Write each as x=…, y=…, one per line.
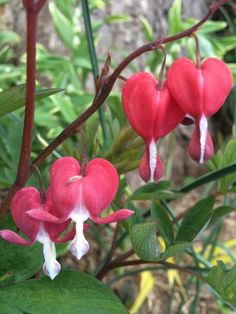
x=150, y=188
x=18, y=263
x=209, y=177
x=70, y=292
x=220, y=212
x=144, y=241
x=14, y=98
x=223, y=281
x=165, y=226
x=196, y=218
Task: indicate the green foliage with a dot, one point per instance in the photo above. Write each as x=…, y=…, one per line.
x=144, y=241
x=196, y=218
x=223, y=281
x=71, y=292
x=14, y=98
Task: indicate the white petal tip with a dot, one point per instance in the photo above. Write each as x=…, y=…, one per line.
x=79, y=249
x=54, y=270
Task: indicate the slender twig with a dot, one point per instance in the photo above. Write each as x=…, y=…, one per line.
x=164, y=263
x=101, y=96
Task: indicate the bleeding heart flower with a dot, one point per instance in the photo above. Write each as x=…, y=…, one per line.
x=200, y=92
x=26, y=199
x=79, y=196
x=153, y=113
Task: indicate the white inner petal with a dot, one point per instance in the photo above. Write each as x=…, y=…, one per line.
x=203, y=125
x=51, y=266
x=79, y=245
x=152, y=159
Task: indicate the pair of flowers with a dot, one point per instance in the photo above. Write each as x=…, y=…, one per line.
x=155, y=109
x=74, y=195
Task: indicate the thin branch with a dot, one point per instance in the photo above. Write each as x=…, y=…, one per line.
x=166, y=264
x=101, y=96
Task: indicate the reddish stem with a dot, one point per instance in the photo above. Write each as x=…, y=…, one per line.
x=99, y=99
x=24, y=163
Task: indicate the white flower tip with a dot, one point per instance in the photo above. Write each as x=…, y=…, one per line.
x=79, y=248
x=53, y=270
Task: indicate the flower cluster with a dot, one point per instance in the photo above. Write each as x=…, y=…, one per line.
x=155, y=109
x=73, y=195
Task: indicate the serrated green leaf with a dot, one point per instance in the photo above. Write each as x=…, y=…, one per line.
x=144, y=241
x=14, y=98
x=223, y=281
x=70, y=292
x=165, y=226
x=196, y=218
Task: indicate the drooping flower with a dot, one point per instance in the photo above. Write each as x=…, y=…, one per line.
x=153, y=113
x=46, y=233
x=79, y=196
x=200, y=91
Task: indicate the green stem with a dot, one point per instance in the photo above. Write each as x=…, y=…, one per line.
x=93, y=58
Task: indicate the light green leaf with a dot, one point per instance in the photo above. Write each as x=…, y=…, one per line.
x=70, y=292
x=14, y=98
x=175, y=22
x=118, y=19
x=196, y=218
x=223, y=281
x=8, y=37
x=144, y=241
x=147, y=28
x=175, y=249
x=63, y=25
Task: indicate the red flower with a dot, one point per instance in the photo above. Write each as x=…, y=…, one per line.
x=153, y=113
x=79, y=197
x=200, y=92
x=26, y=199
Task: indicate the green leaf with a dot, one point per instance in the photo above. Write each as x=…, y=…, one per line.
x=63, y=25
x=207, y=27
x=8, y=37
x=175, y=249
x=70, y=292
x=144, y=241
x=18, y=263
x=220, y=212
x=165, y=226
x=8, y=308
x=229, y=158
x=196, y=218
x=118, y=19
x=175, y=22
x=223, y=281
x=147, y=29
x=209, y=177
x=14, y=98
x=149, y=189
